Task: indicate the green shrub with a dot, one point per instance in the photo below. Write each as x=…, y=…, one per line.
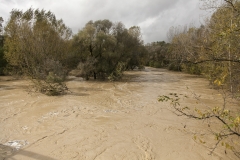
x=192, y=68
x=141, y=67
x=3, y=62
x=118, y=72
x=151, y=63
x=157, y=64
x=175, y=67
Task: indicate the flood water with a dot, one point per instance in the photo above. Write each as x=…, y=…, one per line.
x=106, y=120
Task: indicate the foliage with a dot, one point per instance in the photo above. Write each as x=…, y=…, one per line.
x=157, y=55
x=230, y=121
x=192, y=68
x=41, y=47
x=86, y=68
x=1, y=25
x=3, y=62
x=175, y=66
x=109, y=45
x=213, y=48
x=36, y=44
x=118, y=72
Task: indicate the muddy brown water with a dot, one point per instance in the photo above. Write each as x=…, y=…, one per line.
x=105, y=120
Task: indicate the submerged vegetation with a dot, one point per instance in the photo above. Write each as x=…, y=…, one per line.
x=37, y=45
x=43, y=48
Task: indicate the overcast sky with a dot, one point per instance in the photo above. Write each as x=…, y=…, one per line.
x=154, y=17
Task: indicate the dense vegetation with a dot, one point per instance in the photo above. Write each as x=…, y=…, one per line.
x=34, y=43
x=213, y=49
x=41, y=47
x=3, y=62
x=157, y=55
x=106, y=49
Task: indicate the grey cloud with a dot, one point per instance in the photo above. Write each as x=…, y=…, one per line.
x=155, y=17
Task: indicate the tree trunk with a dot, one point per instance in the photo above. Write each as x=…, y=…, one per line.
x=95, y=75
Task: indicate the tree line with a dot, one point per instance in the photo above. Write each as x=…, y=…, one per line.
x=36, y=44
x=212, y=50
x=41, y=47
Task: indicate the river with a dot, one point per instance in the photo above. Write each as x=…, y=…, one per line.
x=106, y=120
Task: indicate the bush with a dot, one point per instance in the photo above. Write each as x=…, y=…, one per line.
x=87, y=68
x=192, y=68
x=49, y=78
x=175, y=67
x=141, y=67
x=151, y=63
x=117, y=74
x=38, y=49
x=53, y=71
x=157, y=64
x=50, y=89
x=3, y=62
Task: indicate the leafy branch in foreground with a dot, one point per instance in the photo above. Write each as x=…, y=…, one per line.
x=227, y=135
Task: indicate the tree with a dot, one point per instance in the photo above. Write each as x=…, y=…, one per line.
x=36, y=44
x=224, y=39
x=108, y=48
x=3, y=62
x=186, y=46
x=214, y=48
x=158, y=53
x=1, y=25
x=136, y=50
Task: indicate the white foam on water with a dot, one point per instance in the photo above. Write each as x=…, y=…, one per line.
x=17, y=144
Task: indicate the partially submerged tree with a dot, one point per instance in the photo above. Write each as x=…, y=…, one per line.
x=158, y=54
x=36, y=45
x=111, y=47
